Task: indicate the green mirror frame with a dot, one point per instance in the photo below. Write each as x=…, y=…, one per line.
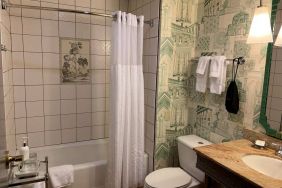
x=263, y=118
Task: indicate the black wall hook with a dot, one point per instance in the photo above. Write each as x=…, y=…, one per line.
x=240, y=60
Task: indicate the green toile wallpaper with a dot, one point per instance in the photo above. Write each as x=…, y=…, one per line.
x=188, y=28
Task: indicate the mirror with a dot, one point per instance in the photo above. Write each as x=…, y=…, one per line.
x=271, y=106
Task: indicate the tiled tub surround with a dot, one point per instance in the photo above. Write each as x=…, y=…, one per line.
x=46, y=110
x=7, y=81
x=150, y=10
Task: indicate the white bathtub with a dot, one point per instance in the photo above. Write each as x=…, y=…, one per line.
x=88, y=158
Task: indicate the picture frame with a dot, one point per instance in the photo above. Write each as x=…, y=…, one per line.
x=75, y=60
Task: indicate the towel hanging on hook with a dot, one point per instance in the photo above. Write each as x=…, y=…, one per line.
x=232, y=96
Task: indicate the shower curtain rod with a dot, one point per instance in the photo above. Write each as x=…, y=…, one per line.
x=5, y=4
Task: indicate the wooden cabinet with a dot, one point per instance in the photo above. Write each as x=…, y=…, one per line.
x=217, y=176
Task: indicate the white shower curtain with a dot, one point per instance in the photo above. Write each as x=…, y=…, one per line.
x=126, y=150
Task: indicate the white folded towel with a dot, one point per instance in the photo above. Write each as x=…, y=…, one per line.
x=33, y=185
x=39, y=185
x=202, y=73
x=61, y=176
x=217, y=74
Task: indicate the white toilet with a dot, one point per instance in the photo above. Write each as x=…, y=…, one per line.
x=188, y=176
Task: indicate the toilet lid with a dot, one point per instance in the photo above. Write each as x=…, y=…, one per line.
x=168, y=178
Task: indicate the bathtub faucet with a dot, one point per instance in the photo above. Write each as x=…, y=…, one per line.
x=11, y=159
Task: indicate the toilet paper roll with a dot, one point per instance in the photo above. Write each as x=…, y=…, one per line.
x=216, y=138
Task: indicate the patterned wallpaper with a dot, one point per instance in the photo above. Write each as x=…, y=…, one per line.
x=188, y=28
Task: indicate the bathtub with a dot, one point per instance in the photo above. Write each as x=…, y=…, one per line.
x=88, y=158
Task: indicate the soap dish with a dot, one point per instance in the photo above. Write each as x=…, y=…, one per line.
x=259, y=144
x=26, y=174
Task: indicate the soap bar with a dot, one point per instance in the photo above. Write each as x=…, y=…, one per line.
x=260, y=143
x=23, y=175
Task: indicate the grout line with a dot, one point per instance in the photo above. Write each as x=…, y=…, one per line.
x=24, y=76
x=60, y=88
x=105, y=107
x=76, y=93
x=43, y=106
x=91, y=119
x=8, y=30
x=91, y=54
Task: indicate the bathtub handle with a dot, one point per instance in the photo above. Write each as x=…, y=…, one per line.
x=10, y=159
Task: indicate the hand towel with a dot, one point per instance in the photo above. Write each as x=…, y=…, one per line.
x=217, y=74
x=223, y=82
x=202, y=73
x=33, y=185
x=39, y=185
x=61, y=176
x=215, y=66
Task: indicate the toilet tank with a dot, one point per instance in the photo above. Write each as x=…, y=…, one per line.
x=188, y=157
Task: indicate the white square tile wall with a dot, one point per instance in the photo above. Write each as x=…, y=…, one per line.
x=7, y=92
x=53, y=113
x=45, y=110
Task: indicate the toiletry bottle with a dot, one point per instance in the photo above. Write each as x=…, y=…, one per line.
x=24, y=151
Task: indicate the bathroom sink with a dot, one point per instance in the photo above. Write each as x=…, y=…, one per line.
x=266, y=165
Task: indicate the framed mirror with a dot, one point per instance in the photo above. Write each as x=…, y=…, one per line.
x=271, y=105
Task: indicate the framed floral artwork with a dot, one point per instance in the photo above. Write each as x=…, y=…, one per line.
x=75, y=60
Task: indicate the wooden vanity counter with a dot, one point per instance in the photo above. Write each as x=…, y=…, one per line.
x=221, y=161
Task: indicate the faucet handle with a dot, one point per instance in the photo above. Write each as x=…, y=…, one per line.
x=278, y=148
x=10, y=159
x=275, y=145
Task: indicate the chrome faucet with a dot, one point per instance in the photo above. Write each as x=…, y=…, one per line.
x=9, y=160
x=278, y=149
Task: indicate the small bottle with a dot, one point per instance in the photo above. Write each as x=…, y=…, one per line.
x=24, y=151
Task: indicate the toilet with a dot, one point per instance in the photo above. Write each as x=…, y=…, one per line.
x=188, y=175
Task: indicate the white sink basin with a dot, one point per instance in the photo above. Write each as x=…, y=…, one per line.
x=266, y=165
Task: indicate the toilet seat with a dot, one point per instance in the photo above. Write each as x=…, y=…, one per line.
x=168, y=178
